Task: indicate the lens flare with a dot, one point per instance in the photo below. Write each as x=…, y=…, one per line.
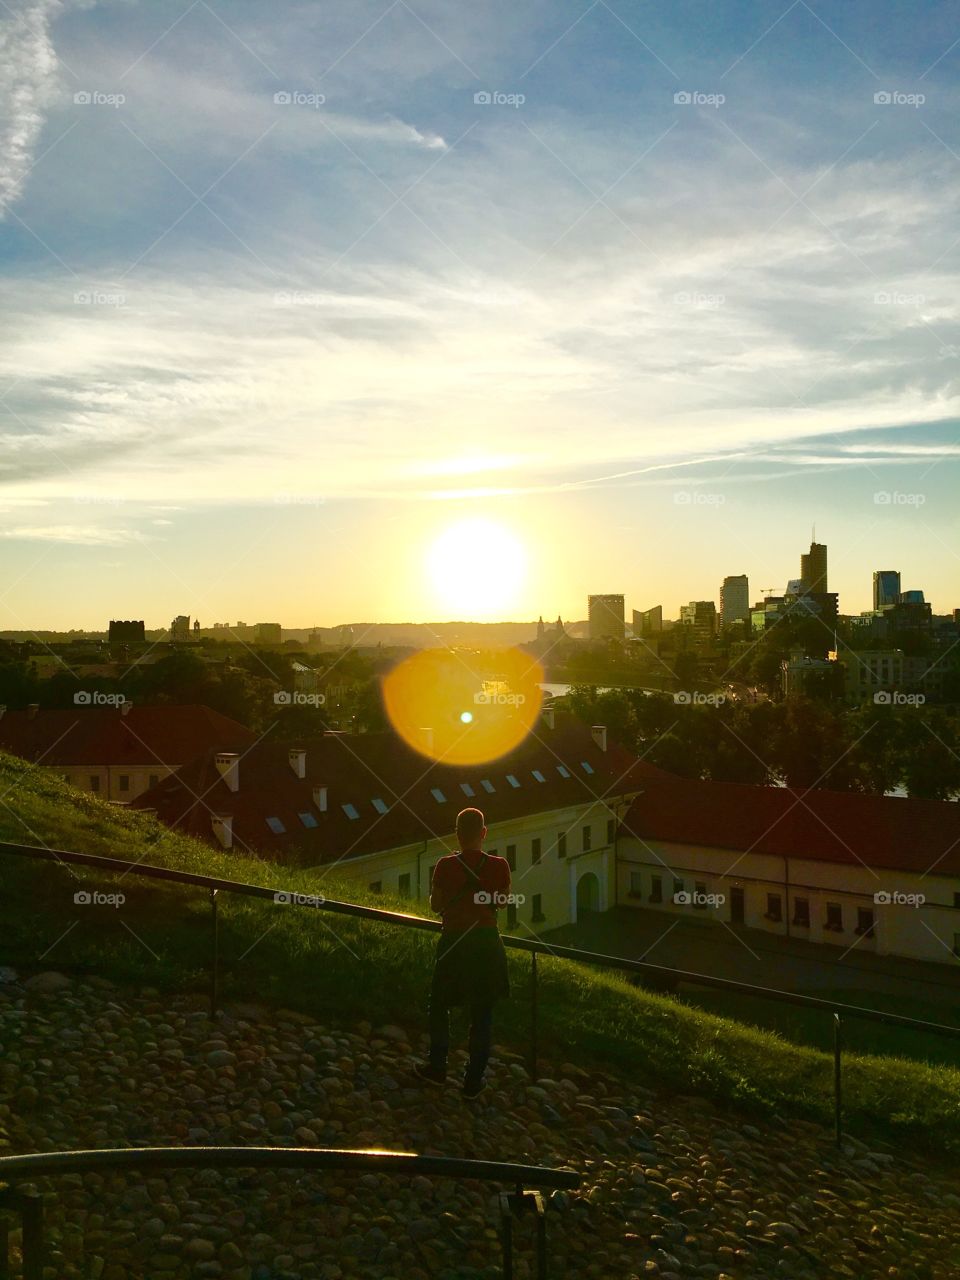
x=450, y=707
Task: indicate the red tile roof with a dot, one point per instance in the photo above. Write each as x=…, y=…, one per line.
x=849, y=827
x=357, y=769
x=146, y=735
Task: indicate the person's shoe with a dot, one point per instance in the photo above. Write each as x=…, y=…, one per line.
x=473, y=1088
x=433, y=1075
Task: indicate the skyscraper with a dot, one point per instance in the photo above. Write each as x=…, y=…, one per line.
x=813, y=568
x=734, y=599
x=606, y=617
x=886, y=588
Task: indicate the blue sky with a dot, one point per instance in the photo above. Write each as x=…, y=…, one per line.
x=282, y=300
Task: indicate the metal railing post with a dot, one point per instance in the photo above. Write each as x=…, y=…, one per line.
x=506, y=1234
x=31, y=1215
x=534, y=1048
x=215, y=957
x=837, y=1097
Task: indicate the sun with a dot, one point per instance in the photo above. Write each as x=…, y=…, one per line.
x=478, y=568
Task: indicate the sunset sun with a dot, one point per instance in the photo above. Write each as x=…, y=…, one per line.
x=477, y=568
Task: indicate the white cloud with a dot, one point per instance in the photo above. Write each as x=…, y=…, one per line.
x=27, y=80
x=78, y=535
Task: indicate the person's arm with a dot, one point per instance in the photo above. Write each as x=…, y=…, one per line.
x=437, y=894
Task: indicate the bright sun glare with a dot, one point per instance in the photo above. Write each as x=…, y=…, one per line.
x=478, y=568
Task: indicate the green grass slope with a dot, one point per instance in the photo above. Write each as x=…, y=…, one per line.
x=345, y=970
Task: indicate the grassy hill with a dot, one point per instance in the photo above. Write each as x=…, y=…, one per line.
x=349, y=970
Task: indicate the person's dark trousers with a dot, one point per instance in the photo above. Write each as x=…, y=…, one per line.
x=481, y=1029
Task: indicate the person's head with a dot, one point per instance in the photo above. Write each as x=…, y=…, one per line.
x=471, y=828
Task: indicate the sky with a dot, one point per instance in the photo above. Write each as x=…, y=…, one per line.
x=420, y=311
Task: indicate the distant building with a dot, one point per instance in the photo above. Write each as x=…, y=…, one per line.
x=606, y=614
x=800, y=674
x=813, y=568
x=912, y=597
x=180, y=627
x=648, y=621
x=886, y=588
x=700, y=616
x=269, y=633
x=734, y=600
x=126, y=632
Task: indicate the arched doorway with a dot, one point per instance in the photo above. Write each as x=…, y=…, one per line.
x=588, y=894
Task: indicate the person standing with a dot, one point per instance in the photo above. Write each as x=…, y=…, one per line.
x=467, y=890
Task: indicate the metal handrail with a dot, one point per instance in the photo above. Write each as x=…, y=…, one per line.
x=216, y=885
x=405, y=1163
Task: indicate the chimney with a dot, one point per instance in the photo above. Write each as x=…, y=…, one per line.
x=427, y=734
x=228, y=766
x=599, y=732
x=298, y=761
x=222, y=824
x=320, y=798
x=125, y=707
x=549, y=717
x=32, y=709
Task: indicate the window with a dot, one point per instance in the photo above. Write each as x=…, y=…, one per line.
x=438, y=795
x=534, y=851
x=774, y=907
x=586, y=766
x=511, y=915
x=375, y=886
x=380, y=805
x=351, y=811
x=94, y=782
x=677, y=886
x=865, y=921
x=636, y=884
x=656, y=888
x=538, y=775
x=403, y=885
x=585, y=841
x=956, y=899
x=488, y=786
x=467, y=790
x=537, y=913
x=511, y=856
x=307, y=819
x=154, y=779
x=700, y=893
x=276, y=826
x=834, y=917
x=801, y=912
x=611, y=830
x=514, y=782
x=562, y=845
x=124, y=782
x=563, y=771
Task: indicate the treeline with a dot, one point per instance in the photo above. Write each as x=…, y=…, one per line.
x=800, y=742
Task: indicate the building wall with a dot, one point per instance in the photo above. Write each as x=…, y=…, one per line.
x=928, y=932
x=107, y=781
